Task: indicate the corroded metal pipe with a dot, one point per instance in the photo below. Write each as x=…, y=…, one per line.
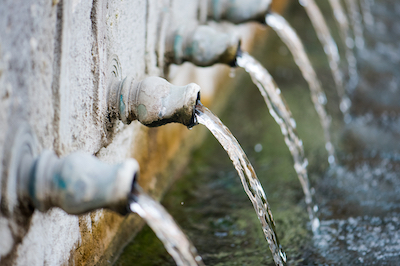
x=77, y=184
x=202, y=45
x=238, y=11
x=153, y=101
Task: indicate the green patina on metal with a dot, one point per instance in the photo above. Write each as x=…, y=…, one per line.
x=122, y=106
x=59, y=181
x=178, y=43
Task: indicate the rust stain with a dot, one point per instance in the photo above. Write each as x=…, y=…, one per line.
x=96, y=239
x=279, y=5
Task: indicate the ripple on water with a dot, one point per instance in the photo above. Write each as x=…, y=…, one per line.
x=360, y=239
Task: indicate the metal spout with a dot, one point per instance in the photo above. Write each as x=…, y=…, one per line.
x=203, y=45
x=154, y=102
x=78, y=183
x=238, y=11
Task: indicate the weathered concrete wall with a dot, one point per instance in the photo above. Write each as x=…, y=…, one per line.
x=54, y=70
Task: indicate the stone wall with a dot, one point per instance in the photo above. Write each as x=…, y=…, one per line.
x=55, y=59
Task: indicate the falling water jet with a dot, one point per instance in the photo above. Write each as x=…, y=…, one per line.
x=283, y=117
x=343, y=25
x=248, y=177
x=355, y=18
x=330, y=48
x=164, y=226
x=366, y=13
x=293, y=42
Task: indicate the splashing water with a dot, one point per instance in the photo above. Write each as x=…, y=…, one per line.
x=293, y=42
x=164, y=226
x=283, y=117
x=356, y=22
x=250, y=182
x=343, y=25
x=330, y=48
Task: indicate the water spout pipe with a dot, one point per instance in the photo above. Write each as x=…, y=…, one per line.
x=153, y=101
x=202, y=45
x=238, y=11
x=78, y=183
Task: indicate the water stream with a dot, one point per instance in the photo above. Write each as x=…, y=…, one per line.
x=248, y=177
x=164, y=226
x=344, y=31
x=284, y=118
x=366, y=12
x=330, y=49
x=356, y=22
x=293, y=42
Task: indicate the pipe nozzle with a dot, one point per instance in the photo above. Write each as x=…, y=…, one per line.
x=238, y=11
x=77, y=184
x=204, y=45
x=154, y=102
